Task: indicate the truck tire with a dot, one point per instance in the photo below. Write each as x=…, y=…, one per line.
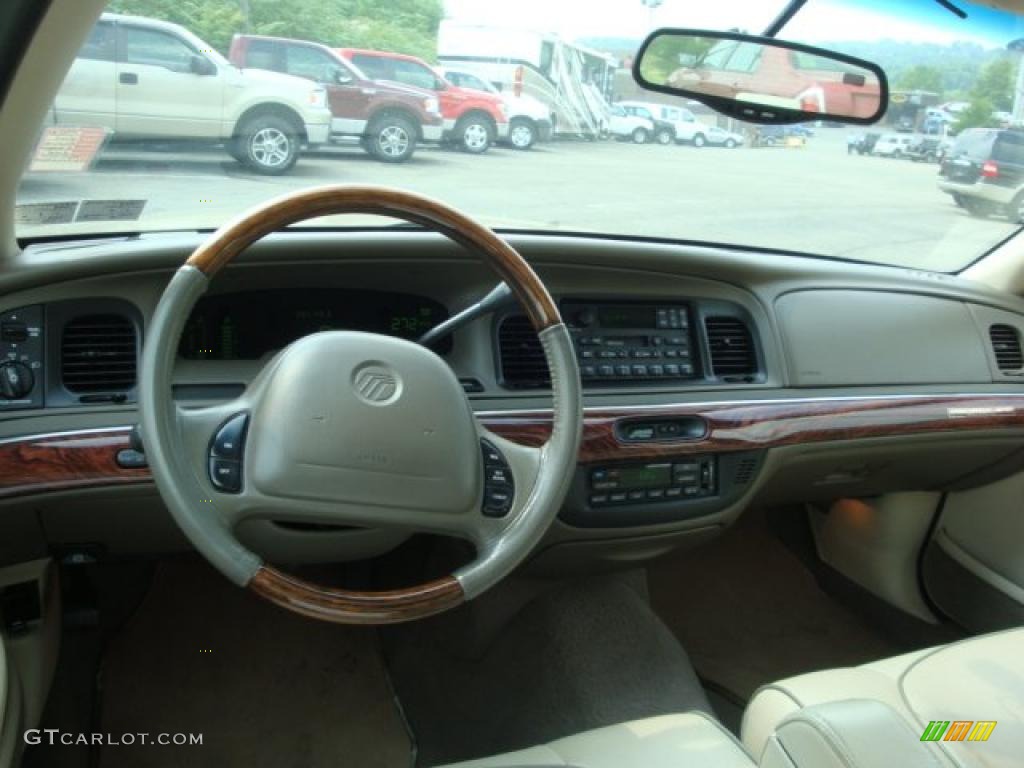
x=522, y=133
x=268, y=144
x=391, y=138
x=664, y=136
x=640, y=136
x=699, y=140
x=474, y=133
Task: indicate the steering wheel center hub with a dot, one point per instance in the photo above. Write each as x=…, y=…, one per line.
x=364, y=419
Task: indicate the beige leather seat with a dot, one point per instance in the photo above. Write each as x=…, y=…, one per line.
x=691, y=740
x=981, y=679
x=867, y=717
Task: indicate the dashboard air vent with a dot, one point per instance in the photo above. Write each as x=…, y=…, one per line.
x=523, y=365
x=98, y=354
x=1006, y=346
x=732, y=348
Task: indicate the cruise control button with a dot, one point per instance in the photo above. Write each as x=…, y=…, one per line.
x=497, y=499
x=227, y=443
x=497, y=475
x=491, y=455
x=226, y=474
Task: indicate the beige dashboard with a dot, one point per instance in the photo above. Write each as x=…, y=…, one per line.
x=870, y=379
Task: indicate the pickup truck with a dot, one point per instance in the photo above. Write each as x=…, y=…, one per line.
x=473, y=120
x=146, y=79
x=529, y=119
x=389, y=119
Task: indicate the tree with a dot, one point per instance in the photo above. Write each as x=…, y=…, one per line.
x=995, y=84
x=977, y=115
x=921, y=78
x=405, y=26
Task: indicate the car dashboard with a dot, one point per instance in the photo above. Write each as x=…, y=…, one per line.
x=714, y=379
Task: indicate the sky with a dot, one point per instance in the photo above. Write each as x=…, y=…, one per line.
x=820, y=20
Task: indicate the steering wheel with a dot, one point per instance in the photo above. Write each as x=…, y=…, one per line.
x=356, y=429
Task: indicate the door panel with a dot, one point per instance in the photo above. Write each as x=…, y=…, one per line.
x=974, y=566
x=88, y=96
x=157, y=92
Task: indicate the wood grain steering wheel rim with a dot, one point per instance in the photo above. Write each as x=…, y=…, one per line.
x=168, y=429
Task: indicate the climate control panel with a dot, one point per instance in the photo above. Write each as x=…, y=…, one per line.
x=21, y=358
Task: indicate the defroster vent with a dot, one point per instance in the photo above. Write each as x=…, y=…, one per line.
x=98, y=354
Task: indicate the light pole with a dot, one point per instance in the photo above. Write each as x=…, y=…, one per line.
x=1017, y=46
x=651, y=6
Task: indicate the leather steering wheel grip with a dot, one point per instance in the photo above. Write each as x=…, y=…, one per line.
x=212, y=534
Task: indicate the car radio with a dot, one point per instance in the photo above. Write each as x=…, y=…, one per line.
x=690, y=478
x=632, y=341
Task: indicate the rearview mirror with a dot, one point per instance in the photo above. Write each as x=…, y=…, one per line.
x=761, y=79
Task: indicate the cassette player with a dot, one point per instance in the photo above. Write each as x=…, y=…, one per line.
x=632, y=341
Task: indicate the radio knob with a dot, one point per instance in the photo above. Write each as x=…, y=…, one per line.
x=16, y=380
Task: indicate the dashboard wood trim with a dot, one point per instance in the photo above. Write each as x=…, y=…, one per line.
x=65, y=461
x=52, y=462
x=751, y=425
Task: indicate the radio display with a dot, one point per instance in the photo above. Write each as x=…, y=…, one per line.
x=626, y=316
x=649, y=476
x=247, y=325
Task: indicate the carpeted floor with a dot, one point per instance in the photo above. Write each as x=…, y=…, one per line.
x=263, y=687
x=748, y=612
x=585, y=655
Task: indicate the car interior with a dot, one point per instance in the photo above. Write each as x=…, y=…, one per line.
x=356, y=475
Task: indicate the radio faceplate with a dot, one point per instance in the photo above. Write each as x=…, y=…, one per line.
x=619, y=341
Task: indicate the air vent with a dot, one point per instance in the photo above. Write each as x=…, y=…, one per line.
x=744, y=471
x=1006, y=346
x=732, y=348
x=98, y=354
x=523, y=365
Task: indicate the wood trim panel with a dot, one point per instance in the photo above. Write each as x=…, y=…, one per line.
x=239, y=233
x=744, y=426
x=59, y=462
x=343, y=606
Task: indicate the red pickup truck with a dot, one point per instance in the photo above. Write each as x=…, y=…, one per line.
x=389, y=119
x=473, y=120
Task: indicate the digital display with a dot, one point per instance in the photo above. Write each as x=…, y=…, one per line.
x=649, y=476
x=248, y=325
x=626, y=316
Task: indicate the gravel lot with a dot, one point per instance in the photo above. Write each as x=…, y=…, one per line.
x=815, y=199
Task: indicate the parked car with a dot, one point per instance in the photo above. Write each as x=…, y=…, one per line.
x=905, y=125
x=778, y=136
x=984, y=172
x=893, y=145
x=389, y=119
x=473, y=120
x=719, y=137
x=624, y=126
x=863, y=143
x=928, y=149
x=146, y=79
x=529, y=120
x=664, y=130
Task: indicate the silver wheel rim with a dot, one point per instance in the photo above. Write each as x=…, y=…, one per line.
x=393, y=141
x=522, y=135
x=270, y=147
x=639, y=136
x=475, y=136
x=699, y=141
x=664, y=138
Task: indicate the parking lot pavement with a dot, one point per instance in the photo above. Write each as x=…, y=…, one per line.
x=814, y=199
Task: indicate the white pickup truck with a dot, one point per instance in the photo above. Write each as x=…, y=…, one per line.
x=142, y=79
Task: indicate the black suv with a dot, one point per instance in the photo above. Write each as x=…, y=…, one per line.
x=984, y=172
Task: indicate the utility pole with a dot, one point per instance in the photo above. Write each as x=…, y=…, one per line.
x=1017, y=46
x=243, y=6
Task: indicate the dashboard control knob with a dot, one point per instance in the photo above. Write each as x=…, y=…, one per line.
x=16, y=380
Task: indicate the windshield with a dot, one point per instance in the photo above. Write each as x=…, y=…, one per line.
x=171, y=119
